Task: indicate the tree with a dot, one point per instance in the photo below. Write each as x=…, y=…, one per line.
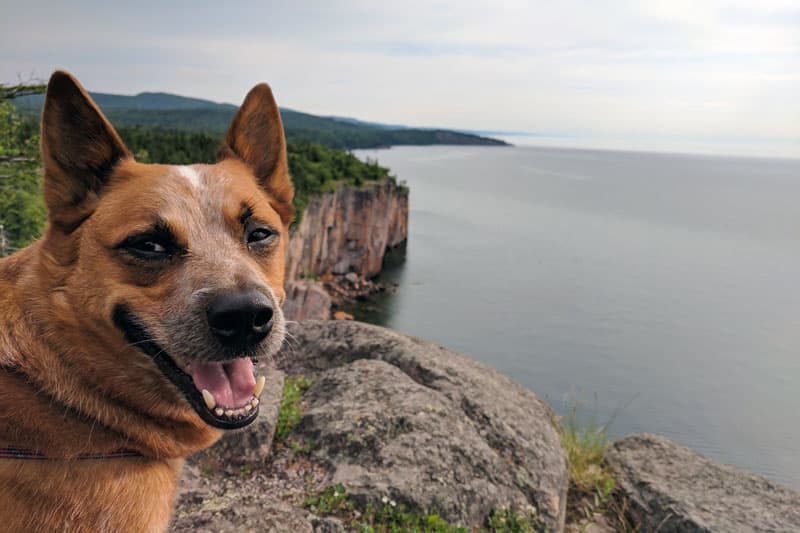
x=22, y=210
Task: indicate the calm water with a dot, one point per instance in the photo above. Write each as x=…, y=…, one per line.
x=661, y=287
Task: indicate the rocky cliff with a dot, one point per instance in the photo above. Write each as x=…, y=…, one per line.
x=672, y=488
x=346, y=231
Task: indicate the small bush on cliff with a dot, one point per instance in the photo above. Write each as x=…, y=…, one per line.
x=316, y=169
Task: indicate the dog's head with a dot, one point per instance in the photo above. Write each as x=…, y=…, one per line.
x=167, y=273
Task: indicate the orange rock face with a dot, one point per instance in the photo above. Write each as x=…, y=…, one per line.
x=348, y=230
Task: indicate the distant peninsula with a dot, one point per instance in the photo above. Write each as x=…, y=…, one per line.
x=174, y=112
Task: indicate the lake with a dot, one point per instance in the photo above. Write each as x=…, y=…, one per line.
x=657, y=291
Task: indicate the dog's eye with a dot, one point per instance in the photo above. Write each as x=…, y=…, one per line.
x=148, y=248
x=259, y=235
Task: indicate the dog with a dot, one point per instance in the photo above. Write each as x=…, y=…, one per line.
x=128, y=332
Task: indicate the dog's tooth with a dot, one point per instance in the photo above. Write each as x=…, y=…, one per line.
x=219, y=411
x=248, y=408
x=254, y=402
x=229, y=413
x=259, y=386
x=209, y=399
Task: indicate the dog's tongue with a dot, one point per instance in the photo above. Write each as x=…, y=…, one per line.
x=231, y=383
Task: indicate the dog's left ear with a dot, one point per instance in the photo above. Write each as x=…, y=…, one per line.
x=79, y=149
x=256, y=137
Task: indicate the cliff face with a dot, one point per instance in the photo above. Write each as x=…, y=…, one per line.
x=348, y=230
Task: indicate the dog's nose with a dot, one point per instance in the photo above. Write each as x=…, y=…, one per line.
x=240, y=318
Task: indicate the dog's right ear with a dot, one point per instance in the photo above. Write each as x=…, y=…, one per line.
x=79, y=149
x=256, y=137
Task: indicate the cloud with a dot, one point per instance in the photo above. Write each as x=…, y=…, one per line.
x=677, y=68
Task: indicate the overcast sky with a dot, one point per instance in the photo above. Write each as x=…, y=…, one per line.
x=716, y=73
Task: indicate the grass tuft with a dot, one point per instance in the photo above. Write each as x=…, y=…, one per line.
x=290, y=413
x=591, y=484
x=586, y=447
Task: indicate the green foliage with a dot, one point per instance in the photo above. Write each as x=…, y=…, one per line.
x=290, y=413
x=510, y=520
x=316, y=169
x=171, y=147
x=306, y=447
x=333, y=500
x=22, y=210
x=21, y=90
x=386, y=517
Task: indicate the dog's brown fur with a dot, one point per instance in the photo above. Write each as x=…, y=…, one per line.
x=69, y=381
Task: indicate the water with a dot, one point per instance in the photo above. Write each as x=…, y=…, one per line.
x=659, y=290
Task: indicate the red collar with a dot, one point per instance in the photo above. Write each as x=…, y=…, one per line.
x=10, y=452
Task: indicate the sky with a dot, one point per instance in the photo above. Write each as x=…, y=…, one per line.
x=696, y=75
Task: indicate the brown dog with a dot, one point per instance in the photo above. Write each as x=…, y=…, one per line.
x=127, y=331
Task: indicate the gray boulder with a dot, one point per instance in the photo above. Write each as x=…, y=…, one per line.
x=387, y=416
x=397, y=417
x=672, y=488
x=231, y=487
x=306, y=300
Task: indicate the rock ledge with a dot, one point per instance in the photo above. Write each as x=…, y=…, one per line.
x=672, y=488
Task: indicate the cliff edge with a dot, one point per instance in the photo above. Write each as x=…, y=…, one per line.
x=343, y=233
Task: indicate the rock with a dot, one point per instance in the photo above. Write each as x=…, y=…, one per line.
x=342, y=315
x=306, y=300
x=239, y=513
x=403, y=418
x=230, y=488
x=387, y=416
x=672, y=488
x=348, y=230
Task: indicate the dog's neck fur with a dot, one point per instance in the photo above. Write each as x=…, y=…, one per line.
x=72, y=403
x=29, y=416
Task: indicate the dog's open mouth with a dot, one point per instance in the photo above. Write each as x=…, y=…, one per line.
x=229, y=389
x=224, y=393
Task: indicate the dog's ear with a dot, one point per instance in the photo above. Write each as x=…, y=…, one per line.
x=79, y=149
x=256, y=137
